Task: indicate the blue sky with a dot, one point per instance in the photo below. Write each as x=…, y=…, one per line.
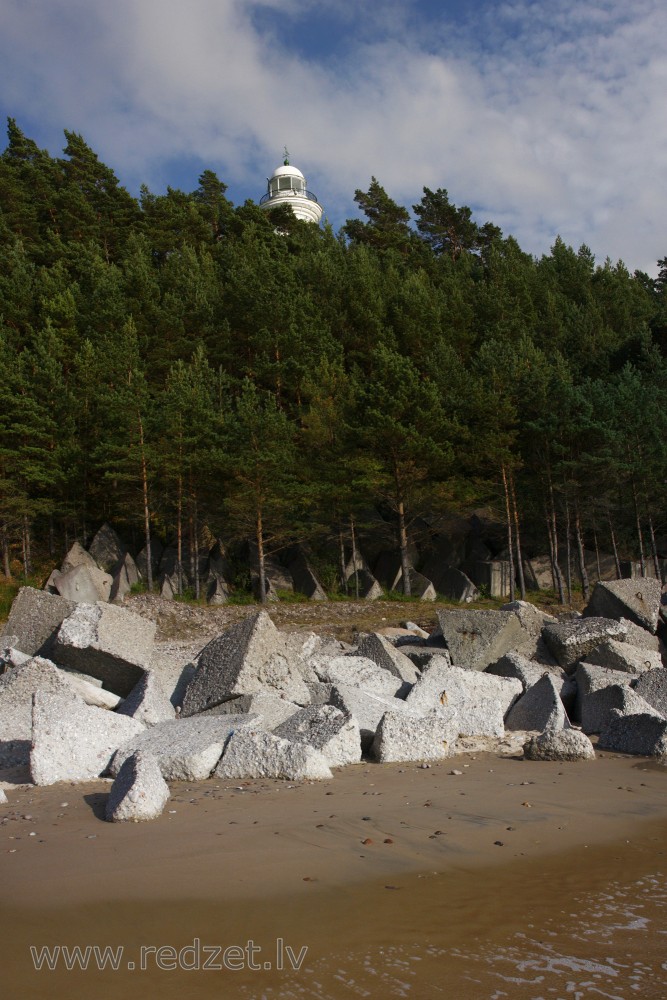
x=545, y=116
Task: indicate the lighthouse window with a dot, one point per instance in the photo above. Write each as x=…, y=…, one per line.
x=285, y=183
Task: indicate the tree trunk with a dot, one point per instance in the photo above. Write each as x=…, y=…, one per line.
x=402, y=534
x=510, y=539
x=179, y=535
x=553, y=543
x=517, y=540
x=639, y=529
x=260, y=557
x=568, y=552
x=341, y=554
x=585, y=585
x=195, y=544
x=612, y=536
x=654, y=549
x=353, y=541
x=147, y=513
x=597, y=552
x=5, y=552
x=27, y=558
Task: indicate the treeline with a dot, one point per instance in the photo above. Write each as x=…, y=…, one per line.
x=182, y=366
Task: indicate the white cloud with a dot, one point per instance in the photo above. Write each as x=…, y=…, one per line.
x=546, y=117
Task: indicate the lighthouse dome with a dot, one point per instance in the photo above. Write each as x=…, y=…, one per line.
x=287, y=186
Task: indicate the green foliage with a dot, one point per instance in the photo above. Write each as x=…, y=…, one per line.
x=176, y=363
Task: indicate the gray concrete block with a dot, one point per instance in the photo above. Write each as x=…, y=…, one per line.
x=637, y=600
x=271, y=709
x=147, y=702
x=107, y=549
x=443, y=684
x=365, y=707
x=256, y=754
x=572, y=641
x=477, y=638
x=652, y=687
x=91, y=693
x=17, y=687
x=382, y=652
x=139, y=792
x=455, y=585
x=402, y=737
x=250, y=657
x=35, y=618
x=617, y=655
x=645, y=735
x=640, y=637
x=185, y=749
x=77, y=556
x=597, y=706
x=83, y=584
x=108, y=642
x=539, y=708
x=361, y=672
x=326, y=728
x=126, y=576
x=529, y=672
x=72, y=741
x=559, y=745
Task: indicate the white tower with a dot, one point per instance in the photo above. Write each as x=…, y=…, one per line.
x=287, y=186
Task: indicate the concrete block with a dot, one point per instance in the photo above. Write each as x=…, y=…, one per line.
x=326, y=728
x=539, y=708
x=645, y=735
x=250, y=657
x=147, y=702
x=572, y=641
x=559, y=745
x=402, y=737
x=596, y=707
x=185, y=749
x=638, y=600
x=382, y=652
x=35, y=618
x=108, y=642
x=139, y=792
x=256, y=754
x=72, y=741
x=477, y=638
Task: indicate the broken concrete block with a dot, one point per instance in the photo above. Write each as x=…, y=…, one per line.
x=35, y=617
x=597, y=706
x=477, y=638
x=83, y=584
x=217, y=591
x=185, y=749
x=108, y=642
x=91, y=693
x=540, y=708
x=125, y=577
x=270, y=709
x=403, y=737
x=365, y=707
x=559, y=744
x=640, y=637
x=652, y=687
x=589, y=677
x=422, y=655
x=617, y=655
x=326, y=728
x=256, y=754
x=361, y=672
x=456, y=586
x=443, y=684
x=139, y=792
x=529, y=672
x=3, y=797
x=72, y=741
x=147, y=702
x=305, y=580
x=572, y=641
x=77, y=556
x=638, y=600
x=107, y=549
x=250, y=657
x=480, y=716
x=642, y=734
x=382, y=652
x=17, y=687
x=173, y=663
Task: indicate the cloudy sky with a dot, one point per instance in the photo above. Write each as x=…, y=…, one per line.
x=545, y=116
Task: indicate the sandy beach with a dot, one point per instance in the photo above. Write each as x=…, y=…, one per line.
x=383, y=856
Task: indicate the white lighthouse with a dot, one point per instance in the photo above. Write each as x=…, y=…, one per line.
x=287, y=186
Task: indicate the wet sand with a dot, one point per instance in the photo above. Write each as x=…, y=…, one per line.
x=385, y=867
